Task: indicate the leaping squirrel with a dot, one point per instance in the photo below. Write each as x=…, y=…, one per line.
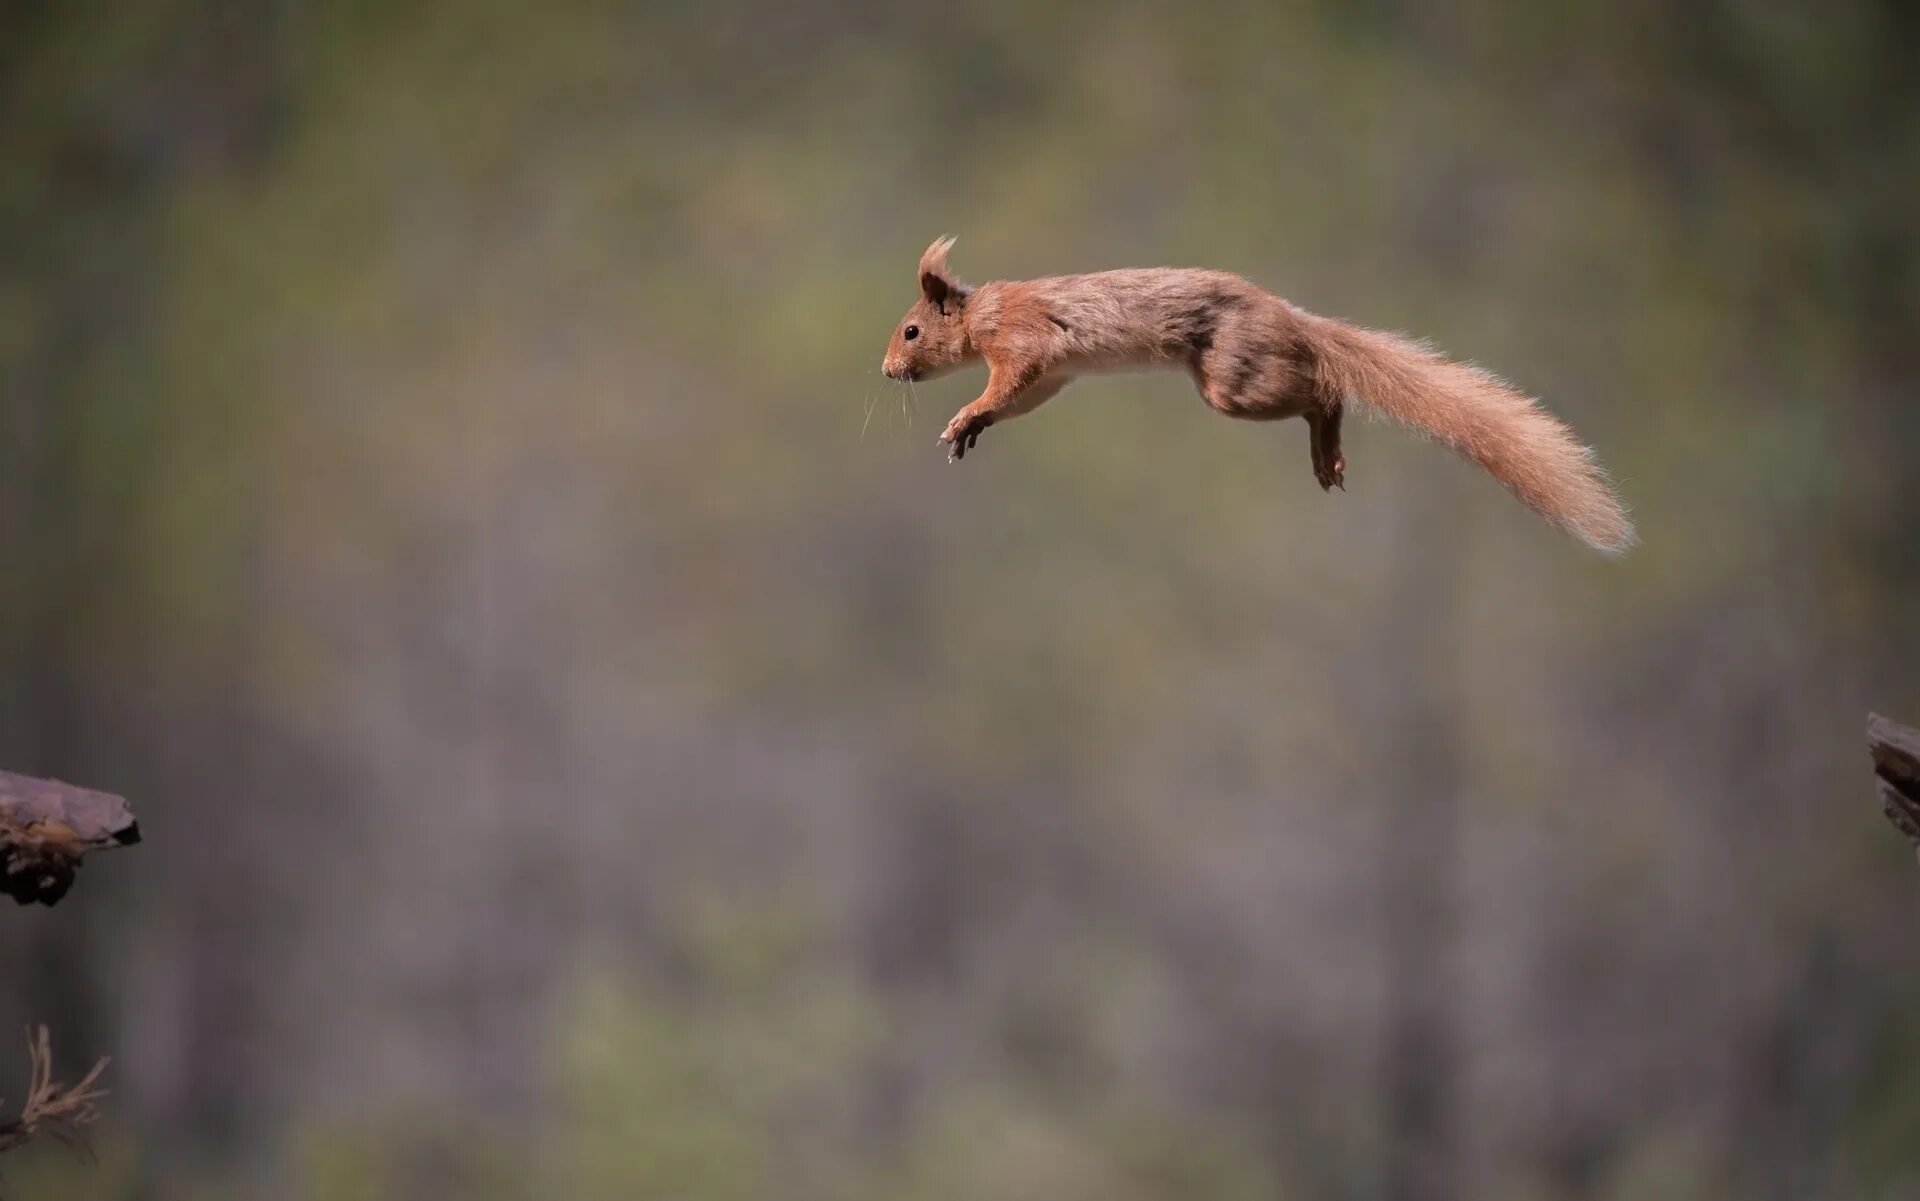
x=1253, y=356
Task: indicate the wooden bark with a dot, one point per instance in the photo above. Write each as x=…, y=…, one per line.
x=46, y=826
x=1896, y=760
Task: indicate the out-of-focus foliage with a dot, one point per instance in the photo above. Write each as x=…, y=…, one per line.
x=579, y=762
x=760, y=1074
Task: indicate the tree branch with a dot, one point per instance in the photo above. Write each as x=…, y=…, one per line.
x=1896, y=760
x=45, y=826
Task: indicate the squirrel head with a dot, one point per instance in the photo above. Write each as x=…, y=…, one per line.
x=931, y=339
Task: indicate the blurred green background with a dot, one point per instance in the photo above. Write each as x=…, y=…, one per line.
x=577, y=761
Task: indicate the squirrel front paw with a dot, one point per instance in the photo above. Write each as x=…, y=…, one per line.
x=963, y=433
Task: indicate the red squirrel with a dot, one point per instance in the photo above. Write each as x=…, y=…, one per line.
x=1253, y=356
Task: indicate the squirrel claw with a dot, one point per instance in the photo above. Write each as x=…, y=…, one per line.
x=963, y=434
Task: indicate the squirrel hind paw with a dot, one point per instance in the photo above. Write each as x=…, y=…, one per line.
x=1331, y=472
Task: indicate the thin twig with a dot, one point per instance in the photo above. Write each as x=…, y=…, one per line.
x=52, y=1108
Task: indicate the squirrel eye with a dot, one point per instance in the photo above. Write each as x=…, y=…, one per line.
x=910, y=333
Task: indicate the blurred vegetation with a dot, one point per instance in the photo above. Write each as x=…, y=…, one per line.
x=763, y=1072
x=578, y=761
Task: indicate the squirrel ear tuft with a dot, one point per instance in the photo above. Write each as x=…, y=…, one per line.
x=934, y=261
x=936, y=282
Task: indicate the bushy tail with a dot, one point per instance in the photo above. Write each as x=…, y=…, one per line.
x=1519, y=443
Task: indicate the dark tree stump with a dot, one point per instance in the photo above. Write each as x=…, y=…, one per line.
x=1896, y=760
x=46, y=826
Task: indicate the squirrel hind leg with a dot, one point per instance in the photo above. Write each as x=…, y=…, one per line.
x=1323, y=440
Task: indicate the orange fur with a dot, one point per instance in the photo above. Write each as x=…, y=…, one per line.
x=1252, y=356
